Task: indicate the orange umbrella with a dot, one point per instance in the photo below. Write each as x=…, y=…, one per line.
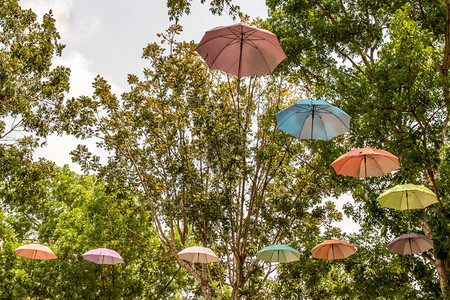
x=366, y=162
x=35, y=251
x=333, y=249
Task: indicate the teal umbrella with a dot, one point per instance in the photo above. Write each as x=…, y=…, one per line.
x=315, y=120
x=278, y=253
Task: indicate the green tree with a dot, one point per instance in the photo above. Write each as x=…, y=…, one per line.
x=73, y=214
x=31, y=89
x=386, y=64
x=210, y=171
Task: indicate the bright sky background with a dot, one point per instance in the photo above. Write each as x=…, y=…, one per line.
x=107, y=37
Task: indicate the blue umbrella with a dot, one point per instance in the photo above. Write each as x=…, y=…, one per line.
x=315, y=120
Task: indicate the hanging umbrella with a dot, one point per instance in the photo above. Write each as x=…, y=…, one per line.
x=35, y=251
x=366, y=162
x=316, y=120
x=407, y=196
x=278, y=253
x=198, y=254
x=410, y=243
x=103, y=256
x=333, y=249
x=241, y=50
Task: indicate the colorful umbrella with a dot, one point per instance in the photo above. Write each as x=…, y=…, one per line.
x=241, y=50
x=407, y=196
x=333, y=249
x=316, y=120
x=278, y=253
x=410, y=243
x=103, y=256
x=198, y=254
x=35, y=251
x=366, y=162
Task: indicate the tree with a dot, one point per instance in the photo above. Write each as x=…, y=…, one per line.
x=386, y=64
x=210, y=171
x=73, y=214
x=31, y=90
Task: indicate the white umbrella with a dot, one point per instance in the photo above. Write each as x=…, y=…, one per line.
x=198, y=254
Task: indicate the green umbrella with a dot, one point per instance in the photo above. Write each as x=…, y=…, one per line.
x=278, y=253
x=407, y=196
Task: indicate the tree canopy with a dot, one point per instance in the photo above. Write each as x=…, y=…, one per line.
x=195, y=158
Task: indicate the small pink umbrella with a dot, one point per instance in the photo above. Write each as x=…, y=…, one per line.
x=410, y=243
x=241, y=50
x=333, y=249
x=103, y=256
x=366, y=162
x=35, y=251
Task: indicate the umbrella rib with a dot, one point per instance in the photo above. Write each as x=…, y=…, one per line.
x=336, y=116
x=323, y=125
x=379, y=166
x=223, y=48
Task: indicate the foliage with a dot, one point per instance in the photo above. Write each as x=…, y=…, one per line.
x=73, y=214
x=31, y=90
x=386, y=64
x=209, y=164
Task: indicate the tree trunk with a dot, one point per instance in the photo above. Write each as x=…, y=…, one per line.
x=441, y=264
x=442, y=270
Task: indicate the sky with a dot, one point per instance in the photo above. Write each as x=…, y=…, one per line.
x=106, y=37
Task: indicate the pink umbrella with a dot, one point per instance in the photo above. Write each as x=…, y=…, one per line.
x=35, y=251
x=366, y=162
x=241, y=50
x=103, y=256
x=410, y=243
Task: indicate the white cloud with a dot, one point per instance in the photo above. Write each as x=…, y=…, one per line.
x=71, y=26
x=81, y=76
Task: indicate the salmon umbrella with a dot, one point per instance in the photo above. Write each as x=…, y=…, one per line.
x=241, y=50
x=333, y=249
x=198, y=254
x=103, y=256
x=410, y=243
x=35, y=251
x=366, y=162
x=278, y=253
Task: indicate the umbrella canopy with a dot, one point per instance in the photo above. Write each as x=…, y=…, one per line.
x=316, y=120
x=410, y=243
x=366, y=162
x=407, y=196
x=278, y=253
x=241, y=50
x=35, y=251
x=333, y=249
x=103, y=256
x=198, y=254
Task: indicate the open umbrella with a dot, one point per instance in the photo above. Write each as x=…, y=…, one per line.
x=407, y=196
x=316, y=120
x=366, y=162
x=410, y=243
x=35, y=251
x=198, y=254
x=333, y=249
x=278, y=253
x=241, y=50
x=103, y=256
